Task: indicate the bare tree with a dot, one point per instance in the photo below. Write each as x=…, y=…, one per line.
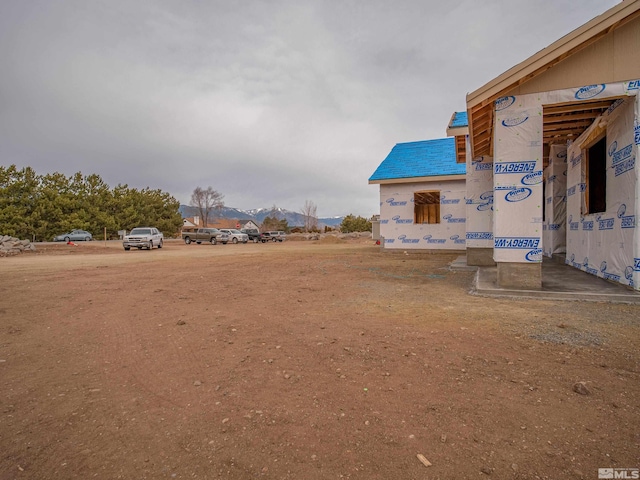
x=310, y=216
x=205, y=201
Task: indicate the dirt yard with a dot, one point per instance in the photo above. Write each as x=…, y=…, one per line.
x=302, y=360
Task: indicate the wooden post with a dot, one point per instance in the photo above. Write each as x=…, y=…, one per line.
x=105, y=236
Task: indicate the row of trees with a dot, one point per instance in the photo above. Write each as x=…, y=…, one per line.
x=38, y=207
x=351, y=223
x=208, y=200
x=274, y=223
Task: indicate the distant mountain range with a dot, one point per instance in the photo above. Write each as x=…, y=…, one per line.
x=257, y=215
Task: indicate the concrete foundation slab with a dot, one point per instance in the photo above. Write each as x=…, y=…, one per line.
x=559, y=282
x=481, y=257
x=520, y=275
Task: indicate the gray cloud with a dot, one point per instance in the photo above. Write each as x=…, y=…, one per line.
x=268, y=102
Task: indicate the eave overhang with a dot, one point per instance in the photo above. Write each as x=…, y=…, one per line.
x=480, y=103
x=437, y=178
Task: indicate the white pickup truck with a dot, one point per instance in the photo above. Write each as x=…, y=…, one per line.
x=143, y=237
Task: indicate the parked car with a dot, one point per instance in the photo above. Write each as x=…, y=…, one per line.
x=74, y=236
x=235, y=236
x=273, y=236
x=211, y=235
x=254, y=234
x=143, y=237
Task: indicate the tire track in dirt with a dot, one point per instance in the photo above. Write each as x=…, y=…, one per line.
x=315, y=362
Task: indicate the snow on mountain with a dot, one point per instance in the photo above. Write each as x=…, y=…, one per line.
x=258, y=215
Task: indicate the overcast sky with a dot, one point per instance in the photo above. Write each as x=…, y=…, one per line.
x=269, y=102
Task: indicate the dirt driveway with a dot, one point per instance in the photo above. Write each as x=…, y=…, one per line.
x=302, y=360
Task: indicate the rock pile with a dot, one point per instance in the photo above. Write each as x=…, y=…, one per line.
x=12, y=246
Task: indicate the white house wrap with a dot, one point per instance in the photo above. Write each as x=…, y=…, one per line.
x=555, y=217
x=517, y=183
x=588, y=204
x=606, y=243
x=397, y=225
x=479, y=202
x=422, y=196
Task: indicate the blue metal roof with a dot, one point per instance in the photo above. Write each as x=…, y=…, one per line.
x=427, y=158
x=459, y=120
